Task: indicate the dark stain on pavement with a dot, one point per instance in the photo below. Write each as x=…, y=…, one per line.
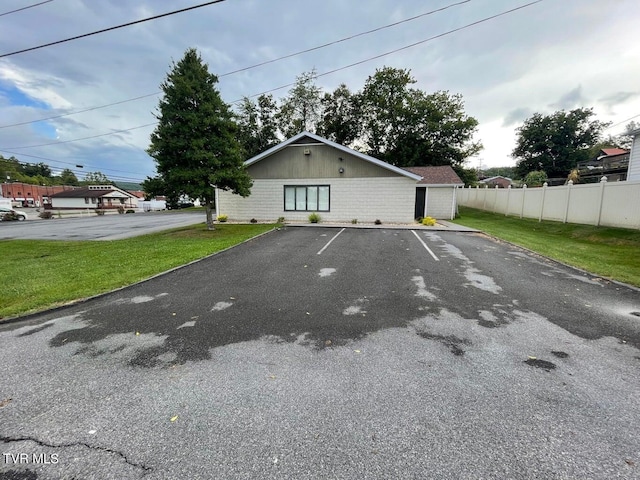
x=487, y=323
x=451, y=341
x=544, y=364
x=18, y=475
x=560, y=354
x=35, y=330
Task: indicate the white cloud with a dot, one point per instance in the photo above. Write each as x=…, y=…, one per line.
x=552, y=54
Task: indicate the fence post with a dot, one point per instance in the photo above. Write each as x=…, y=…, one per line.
x=484, y=198
x=506, y=212
x=566, y=208
x=495, y=199
x=544, y=194
x=603, y=182
x=524, y=191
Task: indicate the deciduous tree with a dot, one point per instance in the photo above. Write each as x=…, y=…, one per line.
x=96, y=178
x=556, y=143
x=67, y=177
x=258, y=130
x=340, y=121
x=300, y=110
x=406, y=126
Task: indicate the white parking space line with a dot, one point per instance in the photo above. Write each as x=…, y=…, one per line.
x=329, y=242
x=425, y=246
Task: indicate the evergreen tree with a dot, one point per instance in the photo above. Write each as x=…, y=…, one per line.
x=195, y=144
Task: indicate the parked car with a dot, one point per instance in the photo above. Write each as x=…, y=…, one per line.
x=178, y=205
x=7, y=210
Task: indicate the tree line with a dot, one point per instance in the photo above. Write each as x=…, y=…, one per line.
x=13, y=170
x=388, y=119
x=553, y=145
x=200, y=142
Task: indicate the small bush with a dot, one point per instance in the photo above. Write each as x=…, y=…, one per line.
x=100, y=212
x=46, y=214
x=378, y=222
x=121, y=210
x=280, y=219
x=428, y=221
x=314, y=218
x=223, y=218
x=419, y=219
x=130, y=211
x=354, y=221
x=253, y=220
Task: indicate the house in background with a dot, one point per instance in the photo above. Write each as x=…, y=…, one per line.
x=610, y=162
x=633, y=172
x=308, y=173
x=499, y=180
x=95, y=197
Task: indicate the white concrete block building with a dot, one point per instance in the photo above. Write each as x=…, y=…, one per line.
x=308, y=173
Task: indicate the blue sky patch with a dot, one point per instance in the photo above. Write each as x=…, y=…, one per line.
x=45, y=129
x=17, y=97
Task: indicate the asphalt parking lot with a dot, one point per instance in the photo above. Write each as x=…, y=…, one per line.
x=94, y=227
x=330, y=353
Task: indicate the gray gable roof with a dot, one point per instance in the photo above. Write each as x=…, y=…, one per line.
x=316, y=138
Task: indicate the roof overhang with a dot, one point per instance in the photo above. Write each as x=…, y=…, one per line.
x=440, y=185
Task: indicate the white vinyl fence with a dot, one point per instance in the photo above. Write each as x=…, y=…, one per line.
x=613, y=204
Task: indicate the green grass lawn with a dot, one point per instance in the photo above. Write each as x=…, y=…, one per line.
x=608, y=252
x=45, y=273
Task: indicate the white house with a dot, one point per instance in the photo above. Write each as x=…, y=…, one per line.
x=95, y=197
x=633, y=172
x=308, y=173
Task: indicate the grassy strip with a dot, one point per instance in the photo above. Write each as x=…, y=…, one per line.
x=609, y=252
x=47, y=273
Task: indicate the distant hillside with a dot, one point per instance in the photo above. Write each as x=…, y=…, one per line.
x=129, y=186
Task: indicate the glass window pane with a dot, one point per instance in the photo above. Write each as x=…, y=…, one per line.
x=323, y=198
x=301, y=198
x=289, y=198
x=312, y=198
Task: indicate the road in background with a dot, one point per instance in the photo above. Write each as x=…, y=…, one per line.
x=94, y=227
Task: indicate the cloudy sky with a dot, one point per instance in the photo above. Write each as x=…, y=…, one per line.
x=551, y=55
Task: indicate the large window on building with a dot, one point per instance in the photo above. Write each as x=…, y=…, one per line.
x=306, y=198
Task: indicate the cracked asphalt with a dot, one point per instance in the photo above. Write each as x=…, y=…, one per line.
x=381, y=355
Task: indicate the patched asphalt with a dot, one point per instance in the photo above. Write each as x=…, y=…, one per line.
x=288, y=358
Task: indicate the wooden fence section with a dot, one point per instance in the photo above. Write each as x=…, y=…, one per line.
x=613, y=204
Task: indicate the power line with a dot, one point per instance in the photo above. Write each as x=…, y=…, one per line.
x=83, y=138
x=351, y=37
x=155, y=17
x=24, y=8
x=80, y=111
x=623, y=121
x=290, y=55
x=69, y=163
x=486, y=19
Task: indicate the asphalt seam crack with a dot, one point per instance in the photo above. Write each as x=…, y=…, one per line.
x=76, y=444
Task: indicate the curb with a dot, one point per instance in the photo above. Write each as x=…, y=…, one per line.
x=577, y=269
x=80, y=301
x=442, y=227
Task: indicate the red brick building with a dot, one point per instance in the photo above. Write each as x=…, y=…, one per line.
x=27, y=195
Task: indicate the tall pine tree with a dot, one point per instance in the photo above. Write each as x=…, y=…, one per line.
x=195, y=144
